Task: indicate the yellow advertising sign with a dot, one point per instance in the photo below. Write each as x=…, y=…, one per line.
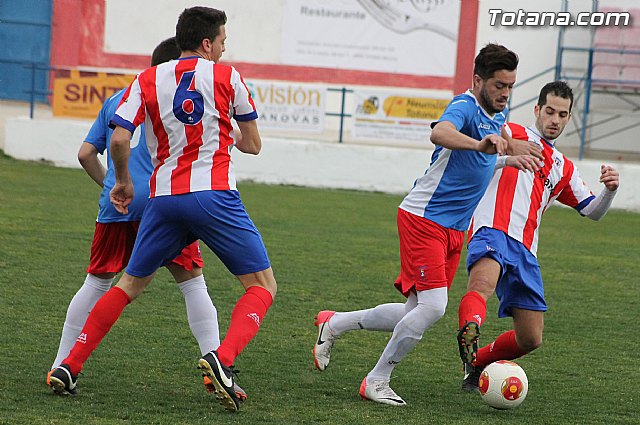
x=81, y=94
x=381, y=115
x=414, y=107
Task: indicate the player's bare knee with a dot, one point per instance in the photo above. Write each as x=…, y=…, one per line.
x=181, y=274
x=438, y=310
x=133, y=286
x=264, y=279
x=482, y=285
x=528, y=344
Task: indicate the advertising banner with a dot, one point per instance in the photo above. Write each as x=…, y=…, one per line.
x=81, y=94
x=393, y=117
x=289, y=106
x=416, y=37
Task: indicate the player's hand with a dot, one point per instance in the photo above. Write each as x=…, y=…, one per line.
x=609, y=177
x=523, y=147
x=492, y=144
x=121, y=196
x=524, y=163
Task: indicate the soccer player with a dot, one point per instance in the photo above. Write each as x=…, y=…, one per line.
x=504, y=237
x=187, y=106
x=115, y=235
x=432, y=219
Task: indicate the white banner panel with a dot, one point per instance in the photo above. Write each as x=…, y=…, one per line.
x=392, y=117
x=417, y=37
x=289, y=106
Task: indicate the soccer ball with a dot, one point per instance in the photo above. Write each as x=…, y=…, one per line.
x=503, y=385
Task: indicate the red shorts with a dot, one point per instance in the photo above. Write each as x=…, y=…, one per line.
x=429, y=253
x=113, y=242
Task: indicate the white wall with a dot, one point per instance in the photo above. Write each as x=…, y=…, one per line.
x=253, y=27
x=288, y=161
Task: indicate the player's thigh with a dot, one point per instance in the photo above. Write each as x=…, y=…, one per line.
x=222, y=223
x=188, y=264
x=484, y=276
x=486, y=262
x=160, y=238
x=456, y=240
x=111, y=247
x=424, y=251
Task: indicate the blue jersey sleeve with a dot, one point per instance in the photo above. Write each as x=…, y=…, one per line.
x=97, y=135
x=459, y=112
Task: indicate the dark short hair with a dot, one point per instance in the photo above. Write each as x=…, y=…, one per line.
x=492, y=58
x=165, y=51
x=197, y=23
x=556, y=88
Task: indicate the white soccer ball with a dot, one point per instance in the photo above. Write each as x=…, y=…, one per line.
x=503, y=385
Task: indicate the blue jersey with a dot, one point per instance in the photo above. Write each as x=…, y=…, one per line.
x=455, y=181
x=140, y=166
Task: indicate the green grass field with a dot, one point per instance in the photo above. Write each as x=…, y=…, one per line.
x=330, y=250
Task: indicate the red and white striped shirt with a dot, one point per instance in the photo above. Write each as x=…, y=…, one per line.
x=515, y=200
x=187, y=106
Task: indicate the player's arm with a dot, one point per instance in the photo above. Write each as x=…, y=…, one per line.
x=248, y=140
x=88, y=158
x=122, y=193
x=519, y=162
x=598, y=207
x=446, y=134
x=521, y=147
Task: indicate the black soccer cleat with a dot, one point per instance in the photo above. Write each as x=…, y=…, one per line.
x=468, y=342
x=61, y=381
x=471, y=379
x=222, y=379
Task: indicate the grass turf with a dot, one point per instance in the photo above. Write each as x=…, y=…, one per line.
x=330, y=250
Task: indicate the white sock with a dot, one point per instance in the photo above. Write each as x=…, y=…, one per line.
x=383, y=317
x=201, y=313
x=78, y=311
x=409, y=330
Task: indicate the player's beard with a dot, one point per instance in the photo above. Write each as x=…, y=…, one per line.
x=487, y=103
x=550, y=137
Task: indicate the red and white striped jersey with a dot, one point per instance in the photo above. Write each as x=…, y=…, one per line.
x=515, y=200
x=187, y=106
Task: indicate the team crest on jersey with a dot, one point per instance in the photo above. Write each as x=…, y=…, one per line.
x=423, y=273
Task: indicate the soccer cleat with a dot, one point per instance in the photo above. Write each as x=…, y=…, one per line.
x=221, y=378
x=324, y=344
x=379, y=390
x=208, y=385
x=61, y=381
x=468, y=342
x=471, y=379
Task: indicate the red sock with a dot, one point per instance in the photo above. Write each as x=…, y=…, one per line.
x=504, y=347
x=473, y=308
x=103, y=315
x=245, y=322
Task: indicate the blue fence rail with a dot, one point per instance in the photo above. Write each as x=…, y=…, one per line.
x=340, y=114
x=33, y=92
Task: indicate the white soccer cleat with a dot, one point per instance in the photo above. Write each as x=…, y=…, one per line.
x=324, y=344
x=379, y=390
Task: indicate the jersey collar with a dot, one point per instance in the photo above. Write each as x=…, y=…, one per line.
x=491, y=117
x=534, y=129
